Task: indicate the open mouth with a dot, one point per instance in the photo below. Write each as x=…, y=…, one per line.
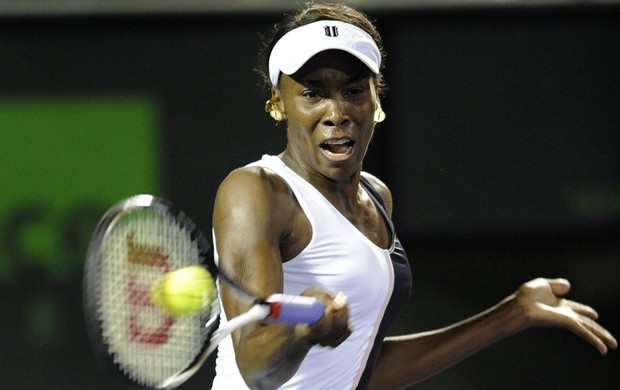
x=338, y=147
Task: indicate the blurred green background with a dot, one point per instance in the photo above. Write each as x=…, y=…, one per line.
x=501, y=147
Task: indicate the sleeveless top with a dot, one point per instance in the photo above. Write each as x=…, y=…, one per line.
x=376, y=282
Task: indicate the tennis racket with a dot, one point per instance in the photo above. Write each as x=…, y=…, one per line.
x=136, y=242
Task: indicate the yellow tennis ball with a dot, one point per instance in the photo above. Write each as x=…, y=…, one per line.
x=184, y=291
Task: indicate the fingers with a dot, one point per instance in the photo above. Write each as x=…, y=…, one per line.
x=333, y=328
x=340, y=299
x=547, y=307
x=595, y=334
x=338, y=309
x=335, y=337
x=580, y=308
x=581, y=320
x=588, y=327
x=559, y=287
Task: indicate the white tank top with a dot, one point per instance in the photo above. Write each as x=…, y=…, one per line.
x=340, y=258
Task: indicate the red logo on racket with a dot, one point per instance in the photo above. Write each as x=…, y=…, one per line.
x=140, y=255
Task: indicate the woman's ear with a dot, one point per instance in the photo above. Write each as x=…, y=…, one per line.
x=274, y=105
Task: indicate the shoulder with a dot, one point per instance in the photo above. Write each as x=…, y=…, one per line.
x=249, y=196
x=382, y=189
x=252, y=184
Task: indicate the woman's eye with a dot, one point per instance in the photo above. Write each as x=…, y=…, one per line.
x=310, y=94
x=355, y=91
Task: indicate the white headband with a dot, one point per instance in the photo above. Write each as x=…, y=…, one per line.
x=297, y=46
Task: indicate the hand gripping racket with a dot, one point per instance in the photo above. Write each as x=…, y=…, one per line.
x=136, y=242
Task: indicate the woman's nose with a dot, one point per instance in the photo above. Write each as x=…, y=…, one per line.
x=335, y=114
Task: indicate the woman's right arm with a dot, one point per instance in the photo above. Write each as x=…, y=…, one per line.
x=252, y=215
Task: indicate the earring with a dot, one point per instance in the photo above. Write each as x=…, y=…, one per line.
x=379, y=115
x=277, y=115
x=270, y=108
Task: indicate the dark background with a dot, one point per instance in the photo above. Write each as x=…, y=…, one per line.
x=501, y=147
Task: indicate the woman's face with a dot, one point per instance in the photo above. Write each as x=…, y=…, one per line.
x=329, y=106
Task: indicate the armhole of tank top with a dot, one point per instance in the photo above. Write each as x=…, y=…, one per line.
x=378, y=201
x=300, y=201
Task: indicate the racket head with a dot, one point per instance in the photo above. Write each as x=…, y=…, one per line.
x=137, y=241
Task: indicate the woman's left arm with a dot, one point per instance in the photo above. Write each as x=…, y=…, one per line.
x=405, y=360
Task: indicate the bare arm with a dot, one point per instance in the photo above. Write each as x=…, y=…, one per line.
x=409, y=359
x=406, y=360
x=253, y=216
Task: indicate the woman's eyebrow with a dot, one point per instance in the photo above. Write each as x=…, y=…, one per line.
x=316, y=82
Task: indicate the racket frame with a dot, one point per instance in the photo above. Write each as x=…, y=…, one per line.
x=92, y=289
x=275, y=308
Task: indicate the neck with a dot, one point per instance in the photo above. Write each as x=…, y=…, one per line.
x=342, y=192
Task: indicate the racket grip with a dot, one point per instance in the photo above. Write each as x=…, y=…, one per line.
x=295, y=309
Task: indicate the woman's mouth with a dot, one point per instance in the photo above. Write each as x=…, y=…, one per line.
x=338, y=149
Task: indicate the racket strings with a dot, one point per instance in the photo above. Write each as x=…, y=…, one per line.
x=148, y=345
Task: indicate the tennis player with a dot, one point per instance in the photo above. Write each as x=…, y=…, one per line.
x=309, y=221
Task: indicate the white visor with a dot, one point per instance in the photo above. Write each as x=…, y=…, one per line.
x=297, y=46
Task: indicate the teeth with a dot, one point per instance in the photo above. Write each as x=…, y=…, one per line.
x=339, y=146
x=337, y=141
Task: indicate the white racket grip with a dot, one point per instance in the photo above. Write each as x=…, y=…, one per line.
x=295, y=309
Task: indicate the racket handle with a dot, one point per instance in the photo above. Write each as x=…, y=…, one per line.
x=295, y=309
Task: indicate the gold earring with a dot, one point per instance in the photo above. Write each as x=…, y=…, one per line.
x=270, y=108
x=277, y=115
x=379, y=115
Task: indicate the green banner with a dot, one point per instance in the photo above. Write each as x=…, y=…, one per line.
x=63, y=162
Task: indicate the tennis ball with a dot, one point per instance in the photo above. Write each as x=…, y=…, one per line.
x=184, y=291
